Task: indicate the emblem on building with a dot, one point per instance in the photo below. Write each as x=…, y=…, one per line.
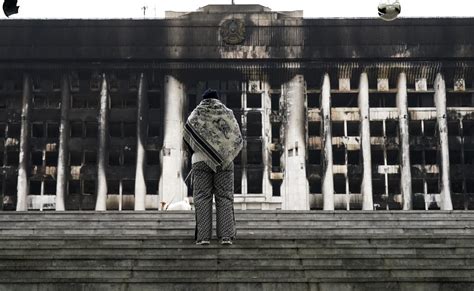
x=233, y=31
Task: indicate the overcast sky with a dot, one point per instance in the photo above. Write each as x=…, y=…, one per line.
x=157, y=8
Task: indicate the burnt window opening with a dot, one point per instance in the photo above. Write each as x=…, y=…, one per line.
x=337, y=128
x=113, y=187
x=154, y=100
x=354, y=185
x=153, y=157
x=431, y=157
x=391, y=128
x=37, y=130
x=76, y=129
x=276, y=188
x=313, y=100
x=51, y=159
x=130, y=101
x=458, y=99
x=153, y=130
x=393, y=157
x=3, y=127
x=128, y=187
x=78, y=101
x=192, y=102
x=275, y=132
x=37, y=158
x=415, y=128
x=12, y=158
x=468, y=128
x=234, y=100
x=54, y=100
x=35, y=187
x=417, y=186
x=376, y=128
x=455, y=157
x=469, y=157
x=114, y=158
x=11, y=186
x=456, y=186
x=394, y=184
x=115, y=129
x=453, y=128
x=314, y=129
x=74, y=187
x=89, y=187
x=39, y=101
x=315, y=186
x=237, y=180
x=49, y=187
x=115, y=101
x=352, y=128
x=276, y=161
x=90, y=158
x=416, y=157
x=52, y=130
x=469, y=186
x=14, y=130
x=254, y=177
x=377, y=157
x=275, y=102
x=91, y=129
x=432, y=186
x=75, y=158
x=430, y=127
x=339, y=183
x=353, y=157
x=129, y=129
x=92, y=102
x=254, y=124
x=344, y=100
x=151, y=187
x=129, y=158
x=338, y=155
x=254, y=100
x=254, y=152
x=382, y=100
x=2, y=159
x=314, y=157
x=420, y=100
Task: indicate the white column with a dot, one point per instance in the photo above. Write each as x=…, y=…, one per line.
x=267, y=132
x=366, y=187
x=441, y=117
x=23, y=180
x=142, y=121
x=172, y=187
x=63, y=152
x=295, y=187
x=326, y=146
x=102, y=153
x=405, y=171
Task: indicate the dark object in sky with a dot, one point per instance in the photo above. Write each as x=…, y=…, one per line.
x=10, y=7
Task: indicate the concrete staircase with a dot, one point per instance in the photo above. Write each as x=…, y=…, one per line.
x=275, y=250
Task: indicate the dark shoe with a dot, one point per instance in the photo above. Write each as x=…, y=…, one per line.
x=203, y=242
x=226, y=241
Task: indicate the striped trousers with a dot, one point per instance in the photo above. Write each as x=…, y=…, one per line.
x=207, y=183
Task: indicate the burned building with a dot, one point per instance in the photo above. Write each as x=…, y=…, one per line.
x=335, y=113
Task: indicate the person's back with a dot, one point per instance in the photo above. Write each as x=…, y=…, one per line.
x=214, y=135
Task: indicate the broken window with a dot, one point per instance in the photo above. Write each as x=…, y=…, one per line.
x=114, y=158
x=430, y=157
x=12, y=158
x=254, y=178
x=344, y=100
x=234, y=100
x=313, y=100
x=416, y=157
x=469, y=157
x=130, y=101
x=52, y=130
x=153, y=157
x=91, y=129
x=275, y=132
x=254, y=100
x=338, y=155
x=254, y=124
x=115, y=129
x=129, y=158
x=275, y=100
x=314, y=129
x=352, y=128
x=276, y=188
x=391, y=128
x=76, y=129
x=154, y=100
x=51, y=159
x=254, y=152
x=339, y=183
x=354, y=185
x=337, y=128
x=429, y=127
x=376, y=128
x=37, y=130
x=2, y=130
x=153, y=130
x=39, y=101
x=49, y=187
x=113, y=187
x=315, y=186
x=54, y=100
x=89, y=187
x=75, y=158
x=152, y=187
x=90, y=158
x=37, y=158
x=353, y=157
x=128, y=187
x=14, y=130
x=78, y=101
x=35, y=187
x=392, y=157
x=129, y=129
x=377, y=157
x=314, y=157
x=415, y=128
x=237, y=180
x=74, y=187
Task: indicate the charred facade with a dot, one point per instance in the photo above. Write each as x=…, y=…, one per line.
x=336, y=113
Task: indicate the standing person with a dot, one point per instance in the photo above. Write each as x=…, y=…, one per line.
x=214, y=135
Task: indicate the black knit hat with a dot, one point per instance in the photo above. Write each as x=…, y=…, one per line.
x=209, y=93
